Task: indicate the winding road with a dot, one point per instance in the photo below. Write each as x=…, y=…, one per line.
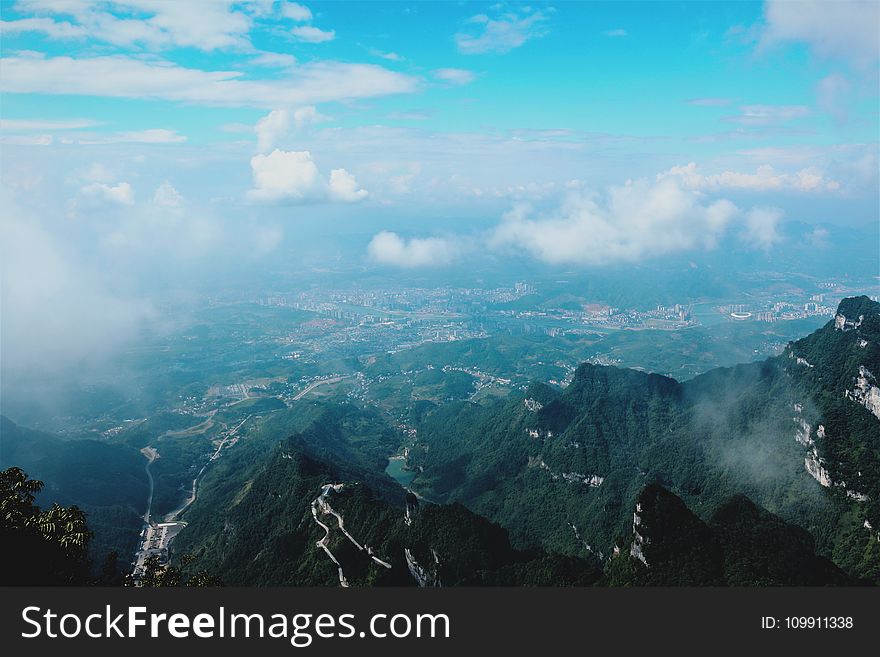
x=321, y=504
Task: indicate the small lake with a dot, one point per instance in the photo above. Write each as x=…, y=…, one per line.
x=396, y=470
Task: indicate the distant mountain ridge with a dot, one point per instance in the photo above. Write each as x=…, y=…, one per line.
x=766, y=473
x=796, y=433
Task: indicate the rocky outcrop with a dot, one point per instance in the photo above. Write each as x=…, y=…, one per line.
x=842, y=323
x=865, y=392
x=421, y=575
x=815, y=466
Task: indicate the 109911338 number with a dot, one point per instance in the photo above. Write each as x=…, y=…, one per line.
x=818, y=622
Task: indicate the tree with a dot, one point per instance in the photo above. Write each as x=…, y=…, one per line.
x=43, y=548
x=156, y=575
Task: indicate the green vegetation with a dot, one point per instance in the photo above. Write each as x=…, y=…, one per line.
x=726, y=432
x=743, y=545
x=106, y=481
x=261, y=531
x=529, y=484
x=40, y=548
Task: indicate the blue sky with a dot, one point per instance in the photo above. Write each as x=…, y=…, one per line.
x=401, y=118
x=153, y=146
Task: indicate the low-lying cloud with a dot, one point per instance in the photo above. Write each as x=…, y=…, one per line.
x=389, y=248
x=765, y=178
x=293, y=177
x=634, y=221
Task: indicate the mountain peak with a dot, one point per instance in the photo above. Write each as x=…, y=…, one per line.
x=858, y=313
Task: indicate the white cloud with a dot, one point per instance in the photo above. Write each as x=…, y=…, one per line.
x=312, y=34
x=121, y=193
x=761, y=115
x=284, y=175
x=152, y=136
x=96, y=172
x=296, y=12
x=509, y=31
x=293, y=176
x=127, y=77
x=616, y=33
x=203, y=25
x=26, y=140
x=307, y=115
x=57, y=309
x=765, y=178
x=841, y=29
x=635, y=221
x=457, y=76
x=344, y=187
x=167, y=196
x=27, y=125
x=274, y=60
x=270, y=128
x=762, y=227
x=52, y=29
x=389, y=248
x=277, y=123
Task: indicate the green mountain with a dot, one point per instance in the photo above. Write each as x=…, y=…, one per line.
x=742, y=545
x=760, y=474
x=106, y=481
x=268, y=528
x=798, y=434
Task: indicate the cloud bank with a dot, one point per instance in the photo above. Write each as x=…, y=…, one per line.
x=388, y=248
x=292, y=176
x=635, y=221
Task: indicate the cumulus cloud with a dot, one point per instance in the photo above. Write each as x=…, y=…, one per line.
x=130, y=77
x=762, y=227
x=95, y=172
x=843, y=29
x=277, y=123
x=272, y=126
x=635, y=221
x=344, y=187
x=312, y=34
x=166, y=196
x=389, y=248
x=121, y=193
x=502, y=34
x=765, y=178
x=292, y=176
